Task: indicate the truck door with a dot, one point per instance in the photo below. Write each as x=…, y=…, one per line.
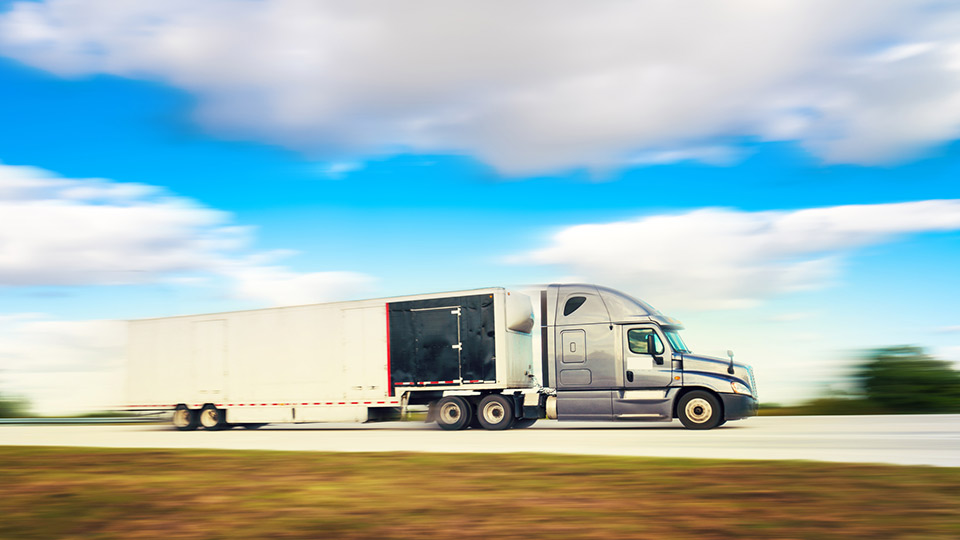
x=646, y=361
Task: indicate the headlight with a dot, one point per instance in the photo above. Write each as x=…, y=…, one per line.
x=740, y=388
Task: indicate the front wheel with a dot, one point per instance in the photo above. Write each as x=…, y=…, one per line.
x=700, y=410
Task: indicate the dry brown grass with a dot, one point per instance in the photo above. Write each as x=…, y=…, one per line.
x=97, y=493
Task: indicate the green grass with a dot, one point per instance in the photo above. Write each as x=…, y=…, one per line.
x=50, y=493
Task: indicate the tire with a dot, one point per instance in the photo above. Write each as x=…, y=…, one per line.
x=700, y=410
x=453, y=413
x=212, y=418
x=495, y=412
x=523, y=423
x=184, y=419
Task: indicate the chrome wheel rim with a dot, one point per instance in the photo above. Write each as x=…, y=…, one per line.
x=181, y=418
x=450, y=413
x=493, y=413
x=209, y=418
x=698, y=410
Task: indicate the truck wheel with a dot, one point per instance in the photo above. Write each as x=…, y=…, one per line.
x=699, y=410
x=184, y=419
x=522, y=423
x=495, y=412
x=212, y=418
x=453, y=413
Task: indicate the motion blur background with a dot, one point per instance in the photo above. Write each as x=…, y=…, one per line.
x=782, y=177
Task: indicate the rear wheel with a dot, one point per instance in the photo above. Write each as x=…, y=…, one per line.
x=495, y=412
x=699, y=410
x=212, y=418
x=453, y=413
x=184, y=419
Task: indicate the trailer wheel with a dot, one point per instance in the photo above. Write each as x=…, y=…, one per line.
x=453, y=413
x=212, y=418
x=184, y=419
x=523, y=423
x=495, y=412
x=699, y=410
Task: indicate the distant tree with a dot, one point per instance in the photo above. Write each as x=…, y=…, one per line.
x=12, y=407
x=906, y=379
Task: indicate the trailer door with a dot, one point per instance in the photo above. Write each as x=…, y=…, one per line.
x=437, y=343
x=209, y=357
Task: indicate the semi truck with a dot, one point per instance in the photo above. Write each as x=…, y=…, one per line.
x=489, y=358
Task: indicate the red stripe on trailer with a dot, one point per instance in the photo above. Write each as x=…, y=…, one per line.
x=341, y=403
x=379, y=402
x=389, y=372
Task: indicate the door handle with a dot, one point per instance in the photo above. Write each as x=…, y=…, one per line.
x=629, y=376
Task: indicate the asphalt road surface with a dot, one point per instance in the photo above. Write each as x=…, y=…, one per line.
x=906, y=439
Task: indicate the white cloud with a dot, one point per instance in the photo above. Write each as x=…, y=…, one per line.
x=282, y=287
x=529, y=85
x=949, y=329
x=719, y=258
x=62, y=231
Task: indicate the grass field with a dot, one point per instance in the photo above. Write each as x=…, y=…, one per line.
x=48, y=493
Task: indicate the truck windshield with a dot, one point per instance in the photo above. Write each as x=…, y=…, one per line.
x=674, y=338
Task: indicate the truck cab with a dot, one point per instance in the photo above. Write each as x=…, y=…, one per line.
x=609, y=356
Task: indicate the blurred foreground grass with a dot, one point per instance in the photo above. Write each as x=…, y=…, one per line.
x=100, y=493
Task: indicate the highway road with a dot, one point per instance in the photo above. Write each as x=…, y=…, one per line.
x=906, y=439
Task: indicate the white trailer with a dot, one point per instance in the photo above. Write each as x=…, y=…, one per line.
x=338, y=362
x=468, y=357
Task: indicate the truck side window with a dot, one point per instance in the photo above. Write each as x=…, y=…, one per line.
x=637, y=338
x=572, y=304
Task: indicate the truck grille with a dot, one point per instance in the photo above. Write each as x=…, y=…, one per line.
x=753, y=383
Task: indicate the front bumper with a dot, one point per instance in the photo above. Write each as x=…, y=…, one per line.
x=737, y=406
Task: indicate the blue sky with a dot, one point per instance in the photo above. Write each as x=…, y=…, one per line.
x=799, y=205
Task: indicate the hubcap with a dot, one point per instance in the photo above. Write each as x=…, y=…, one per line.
x=209, y=418
x=698, y=410
x=449, y=413
x=493, y=412
x=181, y=418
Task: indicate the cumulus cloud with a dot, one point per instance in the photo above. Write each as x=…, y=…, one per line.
x=721, y=258
x=530, y=85
x=64, y=231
